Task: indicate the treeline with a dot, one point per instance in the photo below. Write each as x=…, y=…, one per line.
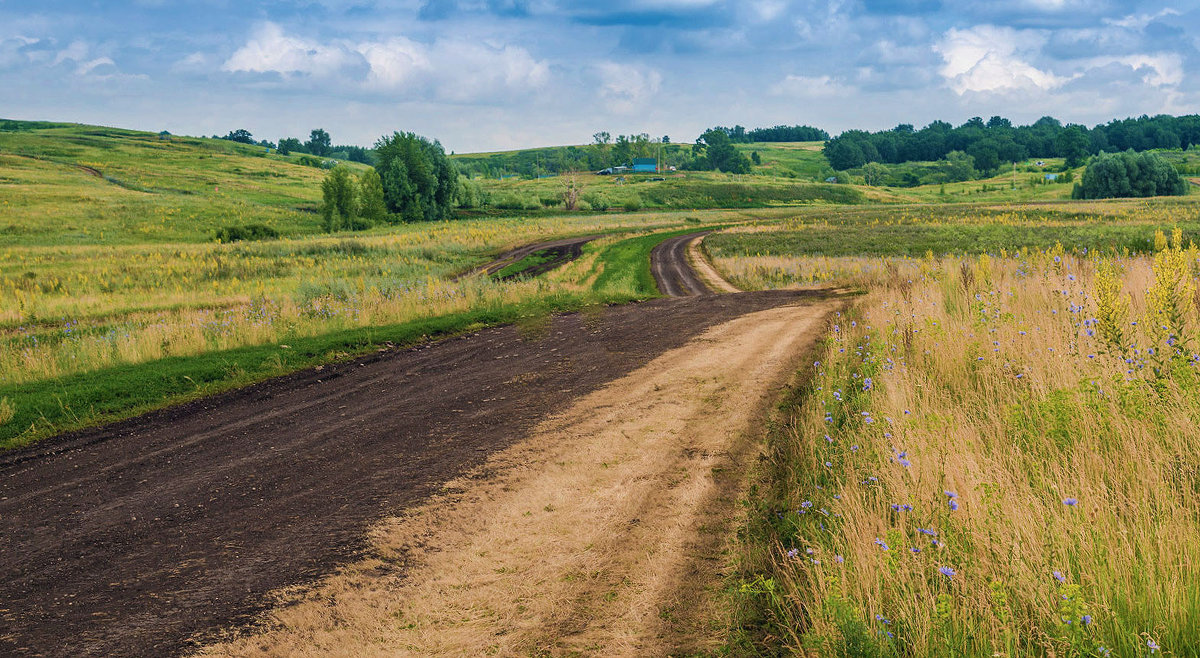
x=739, y=135
x=997, y=142
x=605, y=151
x=319, y=144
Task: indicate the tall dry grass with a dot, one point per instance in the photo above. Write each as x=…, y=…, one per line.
x=996, y=456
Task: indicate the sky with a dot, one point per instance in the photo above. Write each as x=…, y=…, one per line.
x=497, y=74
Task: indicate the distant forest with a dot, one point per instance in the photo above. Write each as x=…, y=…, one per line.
x=998, y=142
x=990, y=144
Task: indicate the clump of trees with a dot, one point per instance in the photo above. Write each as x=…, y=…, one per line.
x=419, y=182
x=714, y=150
x=1129, y=174
x=739, y=135
x=241, y=136
x=321, y=145
x=351, y=202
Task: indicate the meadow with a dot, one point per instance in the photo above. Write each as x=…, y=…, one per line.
x=993, y=452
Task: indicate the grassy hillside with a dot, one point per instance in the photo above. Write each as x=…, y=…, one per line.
x=66, y=184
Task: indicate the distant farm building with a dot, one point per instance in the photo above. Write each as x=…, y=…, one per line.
x=645, y=165
x=1051, y=176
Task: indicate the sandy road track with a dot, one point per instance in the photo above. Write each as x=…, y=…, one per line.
x=672, y=272
x=136, y=538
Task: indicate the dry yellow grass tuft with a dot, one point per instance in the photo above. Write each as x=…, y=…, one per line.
x=998, y=456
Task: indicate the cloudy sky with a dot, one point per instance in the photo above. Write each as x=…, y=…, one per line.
x=494, y=74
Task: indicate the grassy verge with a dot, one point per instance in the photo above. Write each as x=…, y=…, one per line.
x=44, y=408
x=991, y=456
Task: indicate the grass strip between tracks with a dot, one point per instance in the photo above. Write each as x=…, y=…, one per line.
x=46, y=408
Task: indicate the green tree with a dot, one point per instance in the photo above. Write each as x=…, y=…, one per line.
x=844, y=154
x=419, y=181
x=720, y=153
x=874, y=173
x=959, y=166
x=290, y=144
x=370, y=196
x=1073, y=144
x=319, y=143
x=338, y=206
x=1129, y=174
x=240, y=135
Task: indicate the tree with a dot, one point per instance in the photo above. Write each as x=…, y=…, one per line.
x=370, y=196
x=319, y=143
x=289, y=144
x=338, y=194
x=959, y=166
x=874, y=173
x=1073, y=144
x=240, y=135
x=720, y=153
x=571, y=188
x=843, y=154
x=419, y=181
x=1129, y=174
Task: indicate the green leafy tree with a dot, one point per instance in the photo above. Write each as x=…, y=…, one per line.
x=419, y=181
x=370, y=196
x=874, y=173
x=240, y=135
x=319, y=143
x=720, y=153
x=338, y=209
x=289, y=145
x=1129, y=174
x=959, y=166
x=844, y=154
x=1073, y=144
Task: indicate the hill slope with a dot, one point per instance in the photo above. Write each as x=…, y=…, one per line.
x=74, y=184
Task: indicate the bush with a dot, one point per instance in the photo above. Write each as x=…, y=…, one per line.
x=633, y=203
x=247, y=232
x=597, y=201
x=1129, y=174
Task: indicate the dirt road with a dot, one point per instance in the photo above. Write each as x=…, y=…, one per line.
x=566, y=250
x=599, y=535
x=148, y=536
x=669, y=264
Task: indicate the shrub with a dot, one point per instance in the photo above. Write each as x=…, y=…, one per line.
x=514, y=201
x=597, y=201
x=247, y=232
x=633, y=203
x=1129, y=174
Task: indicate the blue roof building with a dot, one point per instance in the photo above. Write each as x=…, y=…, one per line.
x=645, y=165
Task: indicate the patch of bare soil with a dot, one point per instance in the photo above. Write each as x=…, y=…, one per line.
x=599, y=534
x=704, y=269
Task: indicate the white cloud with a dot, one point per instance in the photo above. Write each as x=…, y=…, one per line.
x=987, y=58
x=457, y=71
x=626, y=88
x=271, y=51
